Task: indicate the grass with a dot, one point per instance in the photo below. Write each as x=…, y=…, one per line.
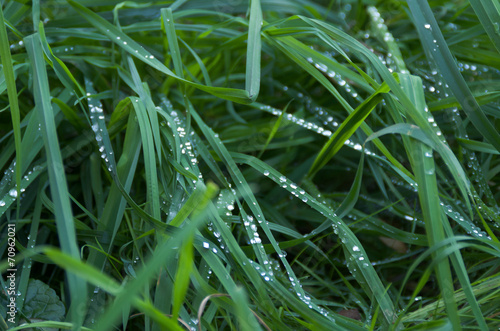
x=251, y=165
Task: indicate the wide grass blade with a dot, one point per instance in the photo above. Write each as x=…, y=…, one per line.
x=347, y=129
x=57, y=178
x=437, y=227
x=10, y=81
x=252, y=79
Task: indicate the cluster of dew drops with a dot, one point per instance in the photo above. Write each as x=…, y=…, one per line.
x=267, y=271
x=187, y=139
x=300, y=193
x=99, y=127
x=12, y=193
x=318, y=112
x=186, y=148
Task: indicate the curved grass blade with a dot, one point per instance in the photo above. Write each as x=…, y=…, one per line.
x=108, y=284
x=49, y=324
x=478, y=146
x=61, y=70
x=135, y=49
x=248, y=196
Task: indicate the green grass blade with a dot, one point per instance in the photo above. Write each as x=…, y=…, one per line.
x=148, y=123
x=168, y=22
x=252, y=78
x=57, y=178
x=478, y=146
x=422, y=161
x=8, y=73
x=352, y=197
x=298, y=52
x=182, y=278
x=427, y=187
x=275, y=129
x=347, y=129
x=489, y=16
x=49, y=324
x=429, y=32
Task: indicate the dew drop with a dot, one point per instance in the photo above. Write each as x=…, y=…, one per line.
x=13, y=193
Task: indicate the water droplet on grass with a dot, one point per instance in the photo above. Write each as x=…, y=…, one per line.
x=13, y=193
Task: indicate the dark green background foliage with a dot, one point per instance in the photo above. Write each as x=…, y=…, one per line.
x=236, y=165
